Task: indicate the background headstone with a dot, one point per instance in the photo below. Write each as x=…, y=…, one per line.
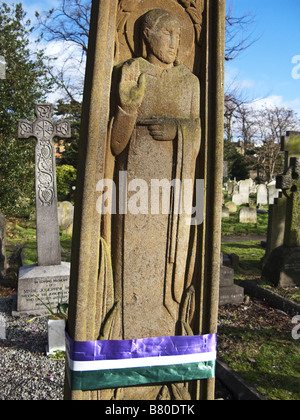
x=225, y=212
x=230, y=293
x=2, y=68
x=244, y=191
x=66, y=216
x=262, y=195
x=2, y=246
x=232, y=207
x=37, y=283
x=248, y=215
x=273, y=192
x=283, y=263
x=237, y=199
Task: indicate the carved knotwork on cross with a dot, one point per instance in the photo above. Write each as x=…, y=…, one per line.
x=290, y=185
x=44, y=129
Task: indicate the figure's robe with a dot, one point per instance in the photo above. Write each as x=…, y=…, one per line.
x=150, y=251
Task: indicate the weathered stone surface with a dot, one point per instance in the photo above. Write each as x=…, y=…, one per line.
x=283, y=267
x=262, y=195
x=2, y=68
x=2, y=246
x=244, y=191
x=65, y=214
x=153, y=101
x=283, y=264
x=44, y=129
x=248, y=215
x=231, y=295
x=37, y=282
x=225, y=212
x=232, y=207
x=273, y=192
x=237, y=199
x=229, y=292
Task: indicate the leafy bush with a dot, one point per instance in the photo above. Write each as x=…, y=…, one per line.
x=66, y=179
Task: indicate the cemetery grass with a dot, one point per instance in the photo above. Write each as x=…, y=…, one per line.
x=255, y=340
x=21, y=246
x=21, y=233
x=232, y=226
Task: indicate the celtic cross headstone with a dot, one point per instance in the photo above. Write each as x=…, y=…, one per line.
x=290, y=184
x=44, y=129
x=283, y=264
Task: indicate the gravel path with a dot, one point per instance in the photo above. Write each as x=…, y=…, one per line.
x=26, y=373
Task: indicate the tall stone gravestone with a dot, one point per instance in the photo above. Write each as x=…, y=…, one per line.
x=145, y=274
x=283, y=265
x=230, y=293
x=290, y=144
x=273, y=192
x=46, y=279
x=2, y=68
x=262, y=195
x=2, y=246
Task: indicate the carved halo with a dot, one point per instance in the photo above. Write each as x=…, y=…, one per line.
x=187, y=42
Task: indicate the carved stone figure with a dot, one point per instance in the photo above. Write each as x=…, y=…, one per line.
x=155, y=135
x=148, y=268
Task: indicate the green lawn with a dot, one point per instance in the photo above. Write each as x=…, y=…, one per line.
x=232, y=226
x=256, y=342
x=22, y=233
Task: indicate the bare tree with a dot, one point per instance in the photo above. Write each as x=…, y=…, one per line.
x=70, y=21
x=238, y=35
x=272, y=124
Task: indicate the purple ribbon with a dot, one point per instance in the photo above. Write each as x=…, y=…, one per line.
x=138, y=348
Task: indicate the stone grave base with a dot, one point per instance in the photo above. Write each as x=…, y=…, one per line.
x=38, y=283
x=283, y=267
x=229, y=292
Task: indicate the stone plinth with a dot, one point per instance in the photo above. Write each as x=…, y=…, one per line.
x=229, y=292
x=36, y=282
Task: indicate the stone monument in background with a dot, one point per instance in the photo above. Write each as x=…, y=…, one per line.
x=145, y=269
x=46, y=279
x=282, y=262
x=3, y=261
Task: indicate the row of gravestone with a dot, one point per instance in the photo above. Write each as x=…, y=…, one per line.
x=246, y=215
x=240, y=192
x=281, y=264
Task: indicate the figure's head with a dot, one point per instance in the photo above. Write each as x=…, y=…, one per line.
x=161, y=31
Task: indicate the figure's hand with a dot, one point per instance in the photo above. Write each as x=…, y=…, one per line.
x=161, y=128
x=132, y=87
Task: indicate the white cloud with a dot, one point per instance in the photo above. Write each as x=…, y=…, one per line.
x=276, y=101
x=68, y=60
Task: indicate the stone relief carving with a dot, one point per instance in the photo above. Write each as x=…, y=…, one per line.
x=189, y=11
x=155, y=134
x=45, y=175
x=44, y=130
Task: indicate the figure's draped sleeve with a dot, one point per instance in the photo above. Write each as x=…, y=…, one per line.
x=122, y=128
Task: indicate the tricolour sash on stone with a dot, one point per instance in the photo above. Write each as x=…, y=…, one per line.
x=107, y=364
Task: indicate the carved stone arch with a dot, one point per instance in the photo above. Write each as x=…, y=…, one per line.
x=128, y=39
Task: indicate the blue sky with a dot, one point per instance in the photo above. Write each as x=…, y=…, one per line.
x=265, y=69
